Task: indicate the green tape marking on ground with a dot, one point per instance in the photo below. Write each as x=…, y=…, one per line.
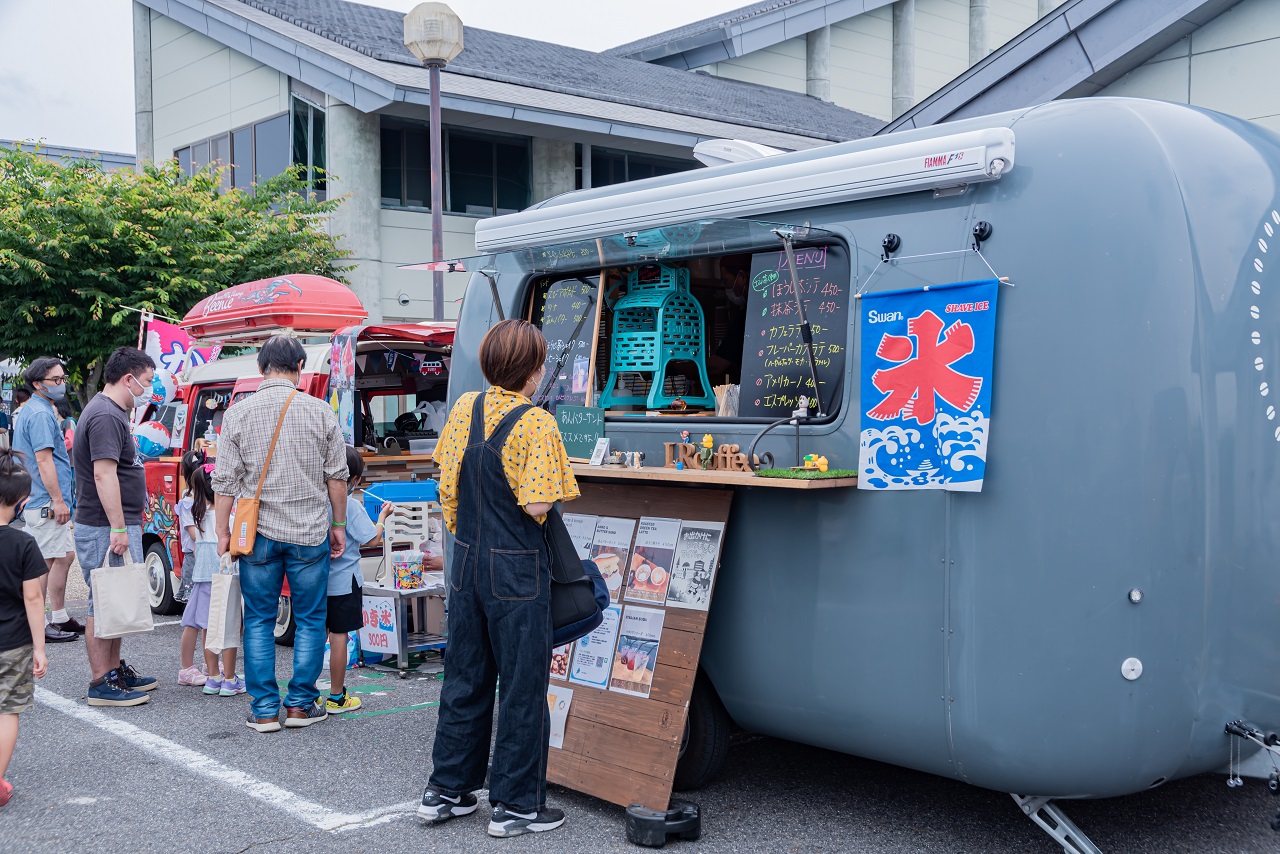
x=378, y=712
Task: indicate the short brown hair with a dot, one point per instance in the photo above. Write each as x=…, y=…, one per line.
x=510, y=352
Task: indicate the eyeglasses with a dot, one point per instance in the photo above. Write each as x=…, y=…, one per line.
x=55, y=380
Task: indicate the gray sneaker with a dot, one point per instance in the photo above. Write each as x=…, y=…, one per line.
x=505, y=822
x=437, y=808
x=296, y=717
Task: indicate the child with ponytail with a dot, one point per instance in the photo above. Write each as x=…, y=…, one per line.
x=197, y=520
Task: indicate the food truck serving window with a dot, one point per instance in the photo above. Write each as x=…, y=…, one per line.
x=707, y=334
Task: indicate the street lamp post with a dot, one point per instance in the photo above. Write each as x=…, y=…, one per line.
x=433, y=34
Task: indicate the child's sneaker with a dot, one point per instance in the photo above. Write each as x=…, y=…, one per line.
x=6, y=792
x=345, y=703
x=231, y=687
x=213, y=685
x=192, y=676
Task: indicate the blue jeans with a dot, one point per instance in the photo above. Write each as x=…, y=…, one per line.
x=92, y=545
x=262, y=575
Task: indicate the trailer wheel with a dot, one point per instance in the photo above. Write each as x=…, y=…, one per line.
x=160, y=581
x=706, y=738
x=285, y=624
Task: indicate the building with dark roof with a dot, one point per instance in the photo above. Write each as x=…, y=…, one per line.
x=878, y=57
x=1208, y=53
x=262, y=84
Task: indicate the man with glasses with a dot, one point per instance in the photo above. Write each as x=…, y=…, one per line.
x=111, y=492
x=38, y=437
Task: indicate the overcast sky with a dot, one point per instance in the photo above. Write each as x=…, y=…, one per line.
x=66, y=66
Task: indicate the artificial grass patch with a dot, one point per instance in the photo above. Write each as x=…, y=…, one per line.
x=806, y=474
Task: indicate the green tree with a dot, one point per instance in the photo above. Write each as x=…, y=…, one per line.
x=79, y=247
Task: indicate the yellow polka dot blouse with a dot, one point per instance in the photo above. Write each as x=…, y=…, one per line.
x=534, y=458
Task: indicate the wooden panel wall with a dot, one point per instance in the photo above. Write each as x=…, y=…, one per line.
x=621, y=748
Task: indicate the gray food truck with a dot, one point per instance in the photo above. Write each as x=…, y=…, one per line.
x=1100, y=618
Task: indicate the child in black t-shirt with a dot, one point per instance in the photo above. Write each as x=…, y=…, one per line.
x=21, y=612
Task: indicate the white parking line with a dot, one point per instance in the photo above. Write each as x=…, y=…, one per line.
x=316, y=815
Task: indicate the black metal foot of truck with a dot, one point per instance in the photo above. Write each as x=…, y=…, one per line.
x=652, y=828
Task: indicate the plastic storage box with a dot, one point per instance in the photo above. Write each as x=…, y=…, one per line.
x=398, y=491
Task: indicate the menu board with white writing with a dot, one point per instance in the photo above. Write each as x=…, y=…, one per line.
x=566, y=314
x=775, y=365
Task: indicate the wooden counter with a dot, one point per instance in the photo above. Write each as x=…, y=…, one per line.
x=693, y=477
x=398, y=467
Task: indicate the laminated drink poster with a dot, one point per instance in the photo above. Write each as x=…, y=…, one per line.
x=609, y=550
x=593, y=654
x=637, y=653
x=649, y=572
x=694, y=567
x=560, y=661
x=582, y=530
x=558, y=700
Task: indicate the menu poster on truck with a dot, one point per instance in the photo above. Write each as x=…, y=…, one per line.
x=592, y=654
x=651, y=560
x=558, y=700
x=637, y=652
x=582, y=530
x=342, y=384
x=694, y=567
x=560, y=656
x=926, y=387
x=609, y=550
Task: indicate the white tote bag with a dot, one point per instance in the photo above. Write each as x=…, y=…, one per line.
x=226, y=609
x=121, y=599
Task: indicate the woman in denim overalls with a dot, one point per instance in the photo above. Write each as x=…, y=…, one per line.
x=502, y=465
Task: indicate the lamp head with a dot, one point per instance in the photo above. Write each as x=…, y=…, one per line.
x=433, y=33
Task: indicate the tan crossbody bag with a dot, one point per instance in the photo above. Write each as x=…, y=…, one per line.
x=244, y=527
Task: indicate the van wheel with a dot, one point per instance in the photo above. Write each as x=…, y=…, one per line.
x=285, y=625
x=706, y=738
x=161, y=581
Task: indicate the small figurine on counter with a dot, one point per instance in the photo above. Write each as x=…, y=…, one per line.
x=706, y=451
x=813, y=461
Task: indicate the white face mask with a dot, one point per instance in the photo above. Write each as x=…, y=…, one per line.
x=140, y=399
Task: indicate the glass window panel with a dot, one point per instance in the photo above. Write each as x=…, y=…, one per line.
x=514, y=186
x=319, y=153
x=301, y=133
x=220, y=155
x=184, y=159
x=607, y=167
x=242, y=157
x=199, y=155
x=392, y=166
x=470, y=174
x=417, y=165
x=271, y=147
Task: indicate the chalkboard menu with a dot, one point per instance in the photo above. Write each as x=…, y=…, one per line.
x=580, y=428
x=566, y=314
x=775, y=366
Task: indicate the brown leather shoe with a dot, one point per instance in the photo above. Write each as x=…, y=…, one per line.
x=296, y=716
x=263, y=724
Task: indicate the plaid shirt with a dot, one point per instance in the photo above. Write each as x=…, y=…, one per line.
x=295, y=498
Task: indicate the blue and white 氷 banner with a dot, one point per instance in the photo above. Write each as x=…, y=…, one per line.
x=926, y=387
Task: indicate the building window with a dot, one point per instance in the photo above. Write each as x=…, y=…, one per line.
x=485, y=174
x=254, y=152
x=309, y=144
x=610, y=166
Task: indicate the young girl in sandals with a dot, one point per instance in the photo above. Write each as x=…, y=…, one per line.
x=197, y=521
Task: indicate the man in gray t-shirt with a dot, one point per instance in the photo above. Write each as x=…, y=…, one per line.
x=111, y=492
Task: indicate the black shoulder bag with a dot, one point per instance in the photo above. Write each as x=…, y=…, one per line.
x=578, y=592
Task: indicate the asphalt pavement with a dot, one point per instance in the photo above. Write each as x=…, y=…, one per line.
x=183, y=773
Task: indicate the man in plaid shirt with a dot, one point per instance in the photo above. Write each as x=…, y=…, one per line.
x=301, y=524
